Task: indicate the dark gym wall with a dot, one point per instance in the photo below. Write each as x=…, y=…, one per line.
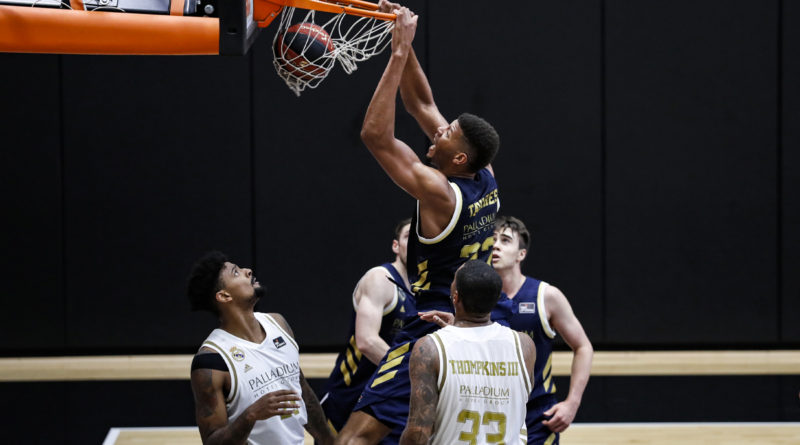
x=32, y=203
x=790, y=171
x=691, y=169
x=650, y=146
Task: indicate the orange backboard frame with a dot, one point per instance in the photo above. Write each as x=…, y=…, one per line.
x=25, y=29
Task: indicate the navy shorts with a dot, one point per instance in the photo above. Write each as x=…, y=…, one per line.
x=388, y=393
x=539, y=434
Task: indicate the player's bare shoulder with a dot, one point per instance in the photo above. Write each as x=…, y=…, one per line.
x=376, y=286
x=281, y=320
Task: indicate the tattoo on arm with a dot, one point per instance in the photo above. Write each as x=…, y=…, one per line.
x=212, y=419
x=424, y=370
x=206, y=397
x=316, y=426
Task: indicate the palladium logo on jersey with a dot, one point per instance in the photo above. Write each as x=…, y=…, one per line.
x=492, y=395
x=281, y=372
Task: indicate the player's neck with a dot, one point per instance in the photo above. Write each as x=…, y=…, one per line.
x=471, y=321
x=512, y=280
x=401, y=269
x=458, y=172
x=243, y=324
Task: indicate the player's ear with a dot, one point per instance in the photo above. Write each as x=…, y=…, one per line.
x=223, y=296
x=460, y=158
x=395, y=247
x=522, y=254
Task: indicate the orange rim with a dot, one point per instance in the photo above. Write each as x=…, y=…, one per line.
x=356, y=7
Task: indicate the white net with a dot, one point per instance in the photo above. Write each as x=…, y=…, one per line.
x=306, y=51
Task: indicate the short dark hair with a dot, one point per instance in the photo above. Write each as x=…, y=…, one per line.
x=205, y=281
x=482, y=139
x=399, y=228
x=516, y=225
x=478, y=287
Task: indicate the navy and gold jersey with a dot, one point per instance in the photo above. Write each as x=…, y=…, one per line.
x=467, y=236
x=529, y=316
x=353, y=369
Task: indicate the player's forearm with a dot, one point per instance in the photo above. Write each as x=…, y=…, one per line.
x=415, y=90
x=234, y=433
x=379, y=119
x=415, y=435
x=316, y=425
x=373, y=347
x=580, y=371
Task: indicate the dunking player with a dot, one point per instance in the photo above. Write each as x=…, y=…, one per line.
x=457, y=203
x=380, y=305
x=541, y=310
x=246, y=377
x=470, y=381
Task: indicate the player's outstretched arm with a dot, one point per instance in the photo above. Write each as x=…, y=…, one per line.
x=396, y=157
x=212, y=418
x=373, y=294
x=415, y=90
x=423, y=370
x=567, y=325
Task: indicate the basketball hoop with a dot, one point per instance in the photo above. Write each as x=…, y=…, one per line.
x=355, y=37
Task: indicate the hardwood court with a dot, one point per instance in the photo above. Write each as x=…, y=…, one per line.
x=577, y=434
x=605, y=363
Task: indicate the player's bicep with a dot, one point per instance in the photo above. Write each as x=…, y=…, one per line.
x=373, y=294
x=407, y=171
x=424, y=372
x=209, y=400
x=563, y=319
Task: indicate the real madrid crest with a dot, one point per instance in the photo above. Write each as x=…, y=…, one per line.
x=237, y=354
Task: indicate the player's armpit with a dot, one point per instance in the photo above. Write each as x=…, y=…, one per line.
x=423, y=371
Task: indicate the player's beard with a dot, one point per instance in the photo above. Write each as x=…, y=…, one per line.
x=259, y=293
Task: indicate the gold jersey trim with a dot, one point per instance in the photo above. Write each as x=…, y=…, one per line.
x=453, y=220
x=289, y=338
x=442, y=360
x=234, y=375
x=543, y=312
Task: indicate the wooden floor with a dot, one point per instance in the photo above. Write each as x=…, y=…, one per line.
x=579, y=434
x=605, y=363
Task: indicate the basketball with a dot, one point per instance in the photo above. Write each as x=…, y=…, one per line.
x=302, y=49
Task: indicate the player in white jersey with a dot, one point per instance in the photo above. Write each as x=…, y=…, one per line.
x=470, y=381
x=246, y=377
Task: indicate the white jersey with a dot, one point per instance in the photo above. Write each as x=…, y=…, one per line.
x=257, y=369
x=483, y=386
